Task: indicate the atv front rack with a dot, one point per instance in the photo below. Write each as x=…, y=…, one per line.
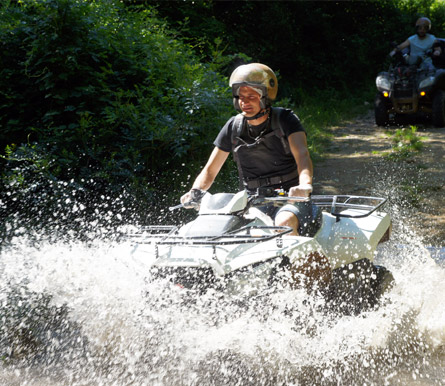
x=339, y=206
x=336, y=205
x=167, y=235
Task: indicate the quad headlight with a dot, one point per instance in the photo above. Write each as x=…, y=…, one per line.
x=427, y=82
x=383, y=83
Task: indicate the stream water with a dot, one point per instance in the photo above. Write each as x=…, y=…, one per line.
x=84, y=313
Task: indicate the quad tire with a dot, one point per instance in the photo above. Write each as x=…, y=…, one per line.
x=363, y=292
x=438, y=109
x=381, y=111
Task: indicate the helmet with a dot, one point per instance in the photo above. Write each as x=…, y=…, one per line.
x=423, y=21
x=257, y=76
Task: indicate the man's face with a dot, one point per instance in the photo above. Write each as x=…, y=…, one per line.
x=249, y=101
x=421, y=29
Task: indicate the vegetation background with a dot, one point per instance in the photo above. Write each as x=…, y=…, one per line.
x=108, y=109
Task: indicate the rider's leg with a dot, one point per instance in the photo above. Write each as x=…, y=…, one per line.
x=289, y=219
x=315, y=269
x=298, y=216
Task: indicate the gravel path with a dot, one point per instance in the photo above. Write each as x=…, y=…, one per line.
x=355, y=164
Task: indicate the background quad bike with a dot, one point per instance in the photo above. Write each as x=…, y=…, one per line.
x=404, y=99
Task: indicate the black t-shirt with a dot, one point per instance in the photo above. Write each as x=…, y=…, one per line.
x=268, y=158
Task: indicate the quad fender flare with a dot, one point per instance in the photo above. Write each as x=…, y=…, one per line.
x=438, y=108
x=440, y=79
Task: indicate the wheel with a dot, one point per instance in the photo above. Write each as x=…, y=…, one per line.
x=359, y=287
x=366, y=292
x=381, y=111
x=381, y=281
x=438, y=114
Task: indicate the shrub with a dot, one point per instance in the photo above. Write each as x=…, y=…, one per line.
x=90, y=89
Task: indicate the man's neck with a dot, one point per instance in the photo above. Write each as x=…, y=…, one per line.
x=259, y=121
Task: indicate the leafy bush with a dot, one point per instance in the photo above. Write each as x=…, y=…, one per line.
x=95, y=80
x=405, y=143
x=90, y=89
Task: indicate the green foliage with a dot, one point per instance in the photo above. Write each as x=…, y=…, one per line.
x=315, y=45
x=100, y=105
x=91, y=89
x=103, y=85
x=116, y=103
x=406, y=142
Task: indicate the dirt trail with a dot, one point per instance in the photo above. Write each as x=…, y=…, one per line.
x=354, y=164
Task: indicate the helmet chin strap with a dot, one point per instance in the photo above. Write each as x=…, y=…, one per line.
x=259, y=115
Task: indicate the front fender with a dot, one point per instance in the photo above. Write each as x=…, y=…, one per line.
x=440, y=80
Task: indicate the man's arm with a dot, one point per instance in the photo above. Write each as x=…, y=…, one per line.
x=298, y=146
x=400, y=47
x=209, y=172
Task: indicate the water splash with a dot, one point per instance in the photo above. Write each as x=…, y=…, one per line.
x=85, y=314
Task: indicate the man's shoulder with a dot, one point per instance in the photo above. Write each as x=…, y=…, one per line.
x=282, y=112
x=285, y=114
x=288, y=120
x=226, y=130
x=229, y=123
x=223, y=140
x=430, y=37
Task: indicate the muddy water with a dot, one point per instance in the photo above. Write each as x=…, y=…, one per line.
x=85, y=314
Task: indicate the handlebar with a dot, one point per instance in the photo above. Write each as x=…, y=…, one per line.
x=262, y=195
x=194, y=203
x=334, y=204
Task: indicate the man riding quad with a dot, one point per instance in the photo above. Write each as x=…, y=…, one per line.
x=419, y=44
x=270, y=148
x=414, y=83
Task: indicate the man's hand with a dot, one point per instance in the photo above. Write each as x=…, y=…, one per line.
x=186, y=197
x=192, y=199
x=302, y=190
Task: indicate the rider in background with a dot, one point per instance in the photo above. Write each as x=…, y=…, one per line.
x=266, y=156
x=419, y=45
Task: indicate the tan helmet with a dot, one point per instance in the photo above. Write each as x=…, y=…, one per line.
x=424, y=21
x=258, y=76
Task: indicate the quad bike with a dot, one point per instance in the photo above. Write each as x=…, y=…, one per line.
x=406, y=90
x=233, y=246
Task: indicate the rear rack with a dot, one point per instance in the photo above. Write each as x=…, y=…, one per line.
x=166, y=235
x=335, y=205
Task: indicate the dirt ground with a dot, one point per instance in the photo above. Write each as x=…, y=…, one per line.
x=415, y=187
